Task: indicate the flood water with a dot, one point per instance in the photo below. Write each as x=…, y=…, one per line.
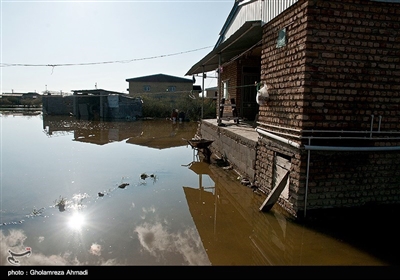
x=135, y=193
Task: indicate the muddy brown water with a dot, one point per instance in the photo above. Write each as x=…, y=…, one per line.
x=183, y=212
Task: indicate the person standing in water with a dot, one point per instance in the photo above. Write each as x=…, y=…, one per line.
x=174, y=115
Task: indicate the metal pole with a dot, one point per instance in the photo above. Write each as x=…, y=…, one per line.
x=218, y=88
x=202, y=94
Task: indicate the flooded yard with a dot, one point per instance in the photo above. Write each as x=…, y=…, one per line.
x=79, y=192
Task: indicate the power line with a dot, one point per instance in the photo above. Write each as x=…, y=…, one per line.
x=97, y=63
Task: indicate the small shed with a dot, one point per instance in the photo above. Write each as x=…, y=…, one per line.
x=104, y=104
x=94, y=104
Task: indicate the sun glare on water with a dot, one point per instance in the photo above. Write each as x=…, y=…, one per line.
x=76, y=221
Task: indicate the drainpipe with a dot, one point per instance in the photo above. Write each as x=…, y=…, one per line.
x=372, y=125
x=310, y=148
x=276, y=137
x=351, y=149
x=307, y=176
x=379, y=125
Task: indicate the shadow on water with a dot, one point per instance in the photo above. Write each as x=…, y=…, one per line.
x=372, y=229
x=228, y=220
x=187, y=213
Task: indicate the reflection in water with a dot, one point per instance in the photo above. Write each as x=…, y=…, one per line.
x=184, y=246
x=235, y=233
x=76, y=221
x=186, y=214
x=158, y=134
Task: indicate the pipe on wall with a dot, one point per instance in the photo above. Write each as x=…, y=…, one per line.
x=310, y=148
x=351, y=149
x=276, y=137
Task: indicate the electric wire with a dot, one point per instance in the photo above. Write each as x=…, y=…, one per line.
x=98, y=63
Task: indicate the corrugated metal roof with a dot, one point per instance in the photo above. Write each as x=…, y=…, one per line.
x=160, y=78
x=242, y=11
x=249, y=35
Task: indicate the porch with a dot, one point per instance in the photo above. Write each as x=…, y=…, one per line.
x=235, y=142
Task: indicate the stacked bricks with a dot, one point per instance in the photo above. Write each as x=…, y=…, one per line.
x=231, y=76
x=341, y=65
x=339, y=70
x=352, y=65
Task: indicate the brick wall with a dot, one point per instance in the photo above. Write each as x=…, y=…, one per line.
x=282, y=69
x=340, y=66
x=340, y=70
x=230, y=74
x=352, y=63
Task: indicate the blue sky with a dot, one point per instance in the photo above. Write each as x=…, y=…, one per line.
x=104, y=42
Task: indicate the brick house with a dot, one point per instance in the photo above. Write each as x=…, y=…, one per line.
x=329, y=135
x=160, y=85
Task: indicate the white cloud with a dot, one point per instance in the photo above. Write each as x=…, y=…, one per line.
x=95, y=249
x=14, y=242
x=156, y=239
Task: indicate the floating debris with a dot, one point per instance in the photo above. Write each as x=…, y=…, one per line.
x=245, y=182
x=101, y=194
x=12, y=223
x=37, y=212
x=123, y=185
x=144, y=176
x=60, y=203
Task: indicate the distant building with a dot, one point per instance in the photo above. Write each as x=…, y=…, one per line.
x=211, y=93
x=30, y=95
x=196, y=89
x=20, y=99
x=22, y=95
x=160, y=86
x=94, y=104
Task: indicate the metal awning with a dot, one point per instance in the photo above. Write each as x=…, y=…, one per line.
x=249, y=34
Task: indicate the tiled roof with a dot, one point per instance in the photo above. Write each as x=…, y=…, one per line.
x=160, y=78
x=95, y=92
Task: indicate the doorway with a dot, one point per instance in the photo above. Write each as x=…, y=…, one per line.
x=249, y=106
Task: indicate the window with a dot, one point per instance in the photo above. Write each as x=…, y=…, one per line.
x=226, y=93
x=146, y=88
x=171, y=88
x=281, y=41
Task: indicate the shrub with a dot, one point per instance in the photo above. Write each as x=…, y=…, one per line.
x=156, y=107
